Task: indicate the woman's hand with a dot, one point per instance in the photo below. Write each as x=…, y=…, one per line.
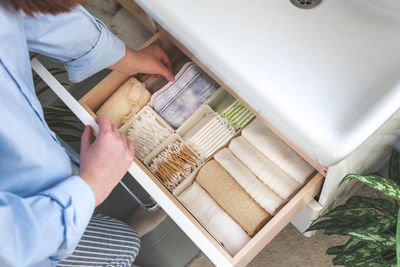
x=105, y=161
x=150, y=60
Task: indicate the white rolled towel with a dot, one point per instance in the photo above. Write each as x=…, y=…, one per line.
x=257, y=134
x=259, y=191
x=263, y=168
x=217, y=222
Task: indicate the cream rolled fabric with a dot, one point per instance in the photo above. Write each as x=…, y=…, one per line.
x=261, y=193
x=257, y=134
x=264, y=168
x=215, y=220
x=125, y=102
x=232, y=198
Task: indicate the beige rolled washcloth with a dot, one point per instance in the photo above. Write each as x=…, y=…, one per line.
x=216, y=221
x=232, y=198
x=259, y=191
x=125, y=102
x=263, y=168
x=257, y=134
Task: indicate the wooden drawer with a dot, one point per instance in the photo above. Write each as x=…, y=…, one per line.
x=183, y=218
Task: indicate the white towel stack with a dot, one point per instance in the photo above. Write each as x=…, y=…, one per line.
x=266, y=170
x=257, y=134
x=215, y=220
x=263, y=195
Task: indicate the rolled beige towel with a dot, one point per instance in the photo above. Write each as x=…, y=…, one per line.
x=261, y=193
x=263, y=168
x=125, y=102
x=257, y=134
x=215, y=220
x=232, y=198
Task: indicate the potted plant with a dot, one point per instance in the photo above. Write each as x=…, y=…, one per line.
x=372, y=224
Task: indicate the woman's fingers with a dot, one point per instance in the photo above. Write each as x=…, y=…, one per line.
x=165, y=71
x=164, y=58
x=114, y=128
x=129, y=145
x=104, y=125
x=86, y=138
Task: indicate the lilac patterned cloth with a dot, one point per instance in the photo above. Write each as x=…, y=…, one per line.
x=177, y=100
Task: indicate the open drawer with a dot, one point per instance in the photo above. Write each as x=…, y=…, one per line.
x=170, y=203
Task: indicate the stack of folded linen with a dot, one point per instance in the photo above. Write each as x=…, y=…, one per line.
x=260, y=192
x=232, y=198
x=177, y=100
x=257, y=134
x=237, y=115
x=214, y=219
x=266, y=170
x=209, y=134
x=125, y=102
x=147, y=133
x=174, y=164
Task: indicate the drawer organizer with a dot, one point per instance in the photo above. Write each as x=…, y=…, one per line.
x=189, y=141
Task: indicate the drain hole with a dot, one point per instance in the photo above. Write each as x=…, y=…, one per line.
x=305, y=4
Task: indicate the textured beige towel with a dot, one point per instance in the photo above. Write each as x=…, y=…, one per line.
x=263, y=168
x=261, y=193
x=125, y=102
x=216, y=221
x=276, y=150
x=232, y=198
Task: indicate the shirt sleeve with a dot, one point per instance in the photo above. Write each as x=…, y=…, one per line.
x=48, y=223
x=82, y=42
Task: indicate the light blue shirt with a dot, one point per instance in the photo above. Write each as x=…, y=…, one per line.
x=44, y=208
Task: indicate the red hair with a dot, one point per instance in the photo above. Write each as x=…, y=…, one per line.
x=30, y=7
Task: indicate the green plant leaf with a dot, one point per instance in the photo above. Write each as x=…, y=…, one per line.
x=369, y=252
x=382, y=184
x=335, y=250
x=360, y=202
x=394, y=166
x=340, y=226
x=352, y=244
x=351, y=214
x=382, y=240
x=382, y=225
x=398, y=239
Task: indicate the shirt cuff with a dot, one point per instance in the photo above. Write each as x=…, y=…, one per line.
x=78, y=202
x=108, y=50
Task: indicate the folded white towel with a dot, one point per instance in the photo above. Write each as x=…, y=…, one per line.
x=263, y=168
x=216, y=221
x=263, y=195
x=257, y=134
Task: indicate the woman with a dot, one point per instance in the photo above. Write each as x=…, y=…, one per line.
x=44, y=207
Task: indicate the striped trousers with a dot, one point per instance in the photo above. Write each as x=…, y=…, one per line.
x=105, y=242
